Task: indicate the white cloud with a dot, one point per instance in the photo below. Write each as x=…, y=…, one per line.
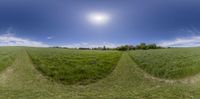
x=50, y=37
x=192, y=41
x=91, y=45
x=9, y=39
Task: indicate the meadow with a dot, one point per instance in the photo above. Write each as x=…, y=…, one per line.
x=7, y=56
x=51, y=73
x=74, y=66
x=169, y=63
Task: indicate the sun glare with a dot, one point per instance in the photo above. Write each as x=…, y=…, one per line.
x=98, y=18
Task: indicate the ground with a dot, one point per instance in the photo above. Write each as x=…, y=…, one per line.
x=22, y=81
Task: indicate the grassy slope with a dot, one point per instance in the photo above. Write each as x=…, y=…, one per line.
x=169, y=63
x=127, y=81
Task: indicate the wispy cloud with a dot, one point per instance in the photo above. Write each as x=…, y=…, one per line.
x=192, y=41
x=50, y=37
x=9, y=39
x=91, y=45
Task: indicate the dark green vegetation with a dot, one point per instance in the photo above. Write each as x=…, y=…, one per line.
x=7, y=56
x=22, y=80
x=74, y=66
x=142, y=46
x=169, y=63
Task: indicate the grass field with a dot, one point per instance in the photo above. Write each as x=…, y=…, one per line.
x=22, y=80
x=7, y=56
x=169, y=63
x=74, y=66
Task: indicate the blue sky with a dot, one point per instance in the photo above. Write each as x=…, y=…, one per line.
x=69, y=23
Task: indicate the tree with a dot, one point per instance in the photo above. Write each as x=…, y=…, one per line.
x=126, y=47
x=152, y=46
x=104, y=47
x=142, y=46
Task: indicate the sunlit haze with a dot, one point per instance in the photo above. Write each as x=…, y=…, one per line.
x=98, y=18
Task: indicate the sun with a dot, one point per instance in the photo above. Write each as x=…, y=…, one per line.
x=98, y=18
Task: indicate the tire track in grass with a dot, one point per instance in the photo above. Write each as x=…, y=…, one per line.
x=21, y=79
x=5, y=75
x=125, y=81
x=187, y=80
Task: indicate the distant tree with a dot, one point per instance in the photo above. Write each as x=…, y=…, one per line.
x=152, y=46
x=142, y=46
x=84, y=48
x=168, y=47
x=56, y=47
x=131, y=47
x=126, y=47
x=146, y=47
x=104, y=47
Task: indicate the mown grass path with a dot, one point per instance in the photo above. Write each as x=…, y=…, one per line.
x=22, y=80
x=127, y=81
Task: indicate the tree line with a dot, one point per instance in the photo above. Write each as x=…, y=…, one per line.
x=141, y=46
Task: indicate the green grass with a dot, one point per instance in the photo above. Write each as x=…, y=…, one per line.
x=22, y=80
x=169, y=63
x=7, y=56
x=74, y=66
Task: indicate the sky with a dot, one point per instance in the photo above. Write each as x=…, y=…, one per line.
x=95, y=23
